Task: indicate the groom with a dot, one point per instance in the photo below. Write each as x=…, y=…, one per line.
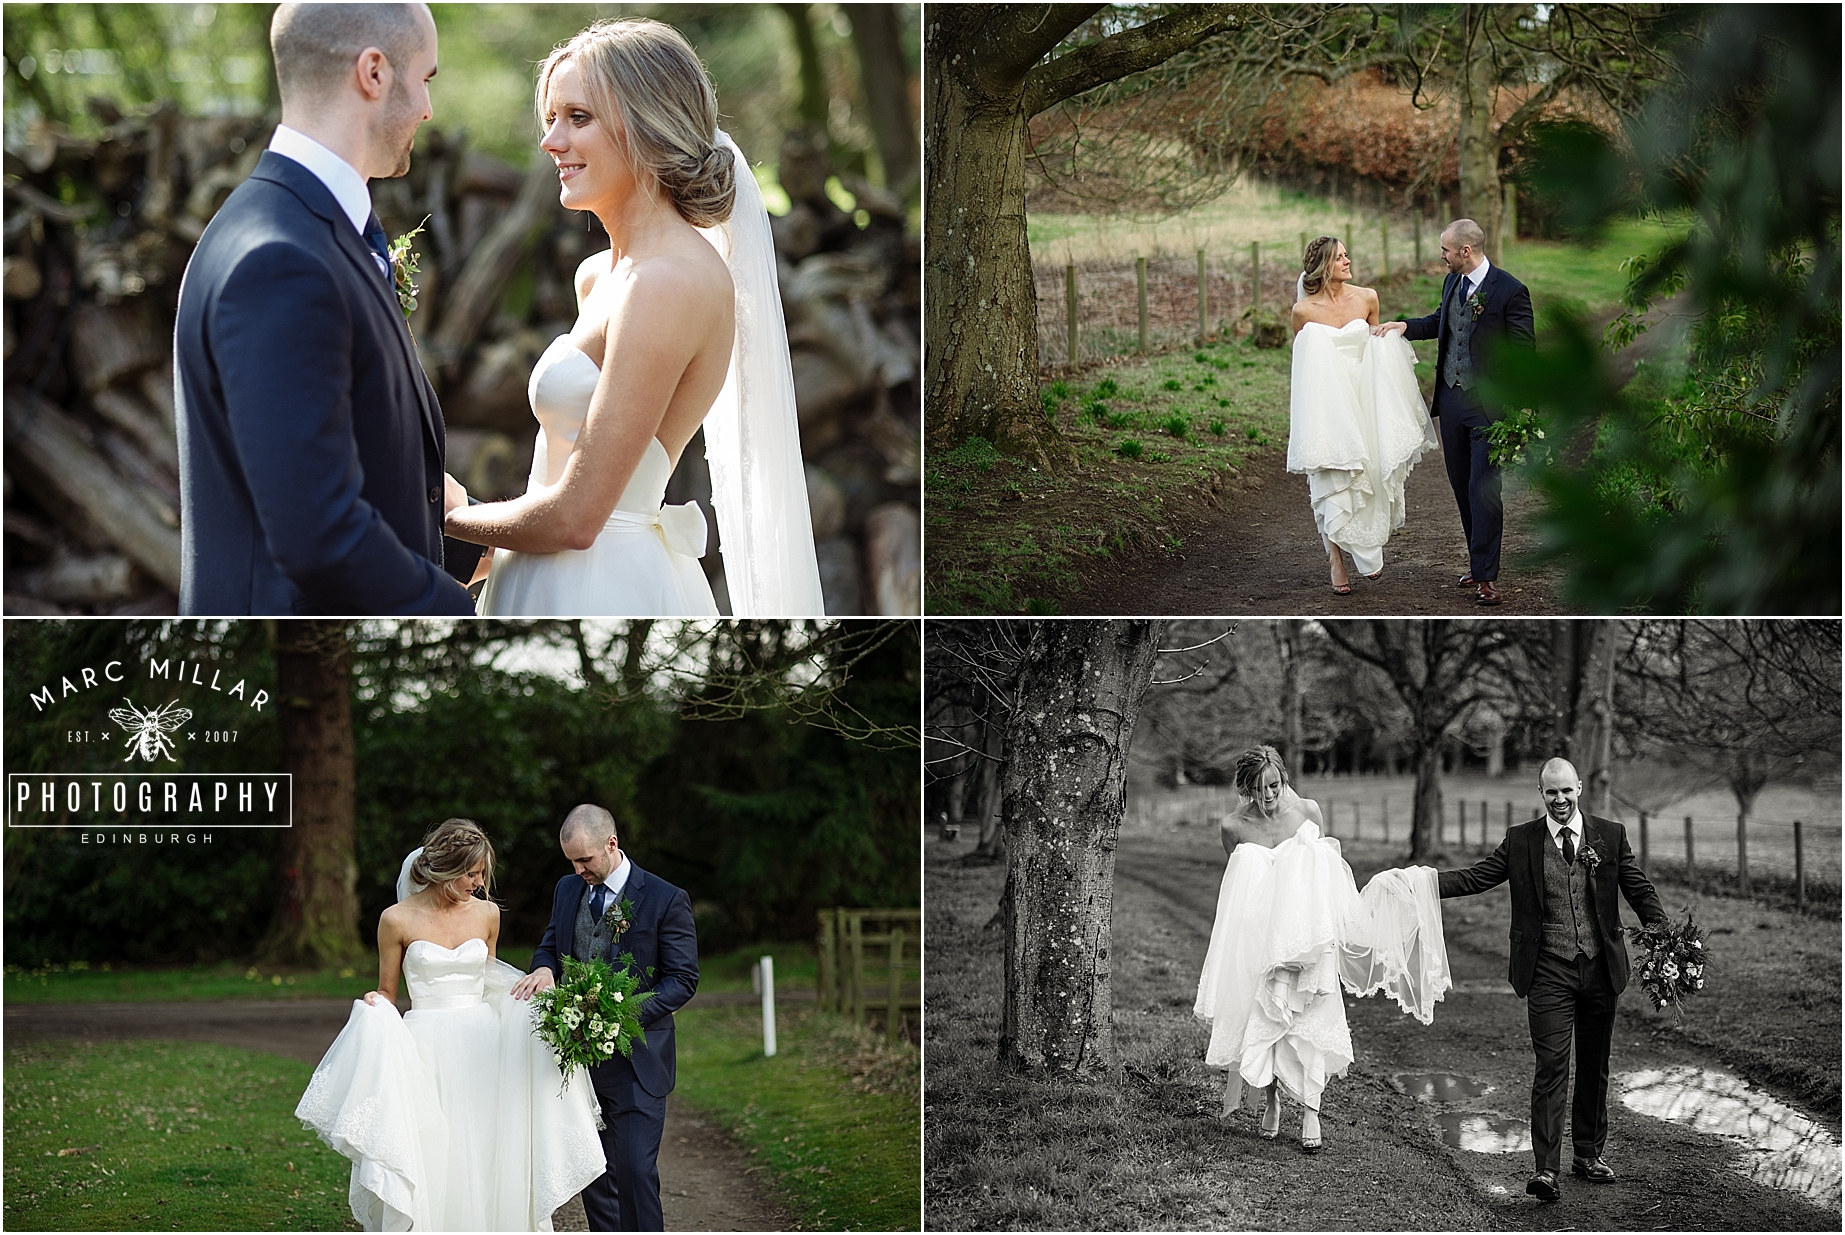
x=311, y=445
x=1569, y=963
x=1480, y=305
x=612, y=909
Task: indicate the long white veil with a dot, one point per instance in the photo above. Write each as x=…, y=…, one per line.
x=753, y=435
x=406, y=886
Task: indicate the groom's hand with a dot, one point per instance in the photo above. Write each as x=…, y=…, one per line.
x=1389, y=328
x=540, y=979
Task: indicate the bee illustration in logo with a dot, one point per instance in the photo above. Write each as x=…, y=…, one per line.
x=147, y=731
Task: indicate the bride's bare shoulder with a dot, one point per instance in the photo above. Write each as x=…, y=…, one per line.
x=589, y=270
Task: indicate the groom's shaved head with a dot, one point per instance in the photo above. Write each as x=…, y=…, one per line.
x=588, y=821
x=1466, y=231
x=1559, y=767
x=315, y=45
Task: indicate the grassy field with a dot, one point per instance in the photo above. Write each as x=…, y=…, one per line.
x=142, y=1136
x=834, y=1117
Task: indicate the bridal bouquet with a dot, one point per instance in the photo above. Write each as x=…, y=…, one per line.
x=1672, y=967
x=589, y=1016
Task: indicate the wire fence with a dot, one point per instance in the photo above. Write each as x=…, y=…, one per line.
x=1122, y=306
x=1805, y=851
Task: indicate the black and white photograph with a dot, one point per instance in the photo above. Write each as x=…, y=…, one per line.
x=1386, y=925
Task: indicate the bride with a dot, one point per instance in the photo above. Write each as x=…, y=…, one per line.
x=1357, y=422
x=1291, y=929
x=679, y=326
x=452, y=1114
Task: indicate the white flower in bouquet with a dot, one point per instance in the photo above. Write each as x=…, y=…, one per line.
x=1671, y=971
x=617, y=996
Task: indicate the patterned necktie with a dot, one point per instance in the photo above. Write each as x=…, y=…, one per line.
x=1569, y=847
x=380, y=247
x=598, y=900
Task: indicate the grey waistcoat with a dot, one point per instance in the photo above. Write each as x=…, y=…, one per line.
x=592, y=938
x=1569, y=925
x=1457, y=364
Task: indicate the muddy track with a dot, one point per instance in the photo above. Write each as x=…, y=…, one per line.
x=1672, y=1178
x=707, y=1182
x=1260, y=554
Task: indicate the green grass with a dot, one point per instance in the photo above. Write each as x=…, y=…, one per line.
x=169, y=1135
x=834, y=1116
x=79, y=982
x=1007, y=538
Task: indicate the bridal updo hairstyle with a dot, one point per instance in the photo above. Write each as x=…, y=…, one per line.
x=645, y=76
x=452, y=849
x=1251, y=764
x=1315, y=265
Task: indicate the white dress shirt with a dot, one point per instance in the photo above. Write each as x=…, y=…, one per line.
x=617, y=880
x=1476, y=277
x=1556, y=830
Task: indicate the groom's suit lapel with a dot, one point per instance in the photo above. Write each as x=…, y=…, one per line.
x=1537, y=836
x=319, y=199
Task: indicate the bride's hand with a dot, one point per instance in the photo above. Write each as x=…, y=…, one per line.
x=1389, y=328
x=372, y=997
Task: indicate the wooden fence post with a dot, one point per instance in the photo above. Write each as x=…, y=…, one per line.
x=893, y=1007
x=1482, y=825
x=1303, y=249
x=1643, y=842
x=1742, y=853
x=1460, y=811
x=1508, y=223
x=1255, y=270
x=1416, y=222
x=858, y=969
x=1690, y=859
x=1140, y=280
x=1800, y=871
x=1383, y=228
x=1204, y=299
x=1386, y=820
x=1508, y=816
x=1069, y=305
x=827, y=976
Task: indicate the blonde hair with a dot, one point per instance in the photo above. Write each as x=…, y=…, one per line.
x=1253, y=763
x=1316, y=263
x=646, y=77
x=452, y=849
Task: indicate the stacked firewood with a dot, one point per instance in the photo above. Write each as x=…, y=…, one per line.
x=98, y=232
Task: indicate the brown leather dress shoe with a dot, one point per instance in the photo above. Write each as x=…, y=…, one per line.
x=1592, y=1169
x=1487, y=595
x=1543, y=1186
x=1465, y=580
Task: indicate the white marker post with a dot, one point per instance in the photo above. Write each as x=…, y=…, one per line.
x=766, y=966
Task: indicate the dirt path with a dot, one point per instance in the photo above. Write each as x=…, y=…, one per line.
x=1261, y=555
x=706, y=1182
x=1671, y=1177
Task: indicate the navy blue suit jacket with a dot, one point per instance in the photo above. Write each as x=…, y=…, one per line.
x=1520, y=858
x=310, y=442
x=1507, y=314
x=663, y=947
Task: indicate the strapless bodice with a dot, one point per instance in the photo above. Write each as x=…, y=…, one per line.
x=562, y=382
x=440, y=977
x=1349, y=340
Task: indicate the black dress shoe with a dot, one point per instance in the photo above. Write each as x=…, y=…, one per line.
x=1592, y=1169
x=1543, y=1186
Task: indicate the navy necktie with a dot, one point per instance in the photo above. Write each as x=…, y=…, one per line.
x=374, y=238
x=598, y=900
x=1569, y=847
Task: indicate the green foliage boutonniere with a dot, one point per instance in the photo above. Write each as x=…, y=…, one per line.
x=404, y=268
x=619, y=917
x=1477, y=303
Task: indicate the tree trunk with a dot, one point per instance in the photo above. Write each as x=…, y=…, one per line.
x=1479, y=154
x=1582, y=704
x=318, y=922
x=1081, y=686
x=992, y=846
x=1425, y=818
x=1287, y=640
x=877, y=36
x=981, y=365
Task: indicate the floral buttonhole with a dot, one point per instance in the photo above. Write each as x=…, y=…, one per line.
x=404, y=269
x=619, y=917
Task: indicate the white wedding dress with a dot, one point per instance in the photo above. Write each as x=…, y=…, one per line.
x=1291, y=930
x=1357, y=425
x=451, y=1114
x=645, y=561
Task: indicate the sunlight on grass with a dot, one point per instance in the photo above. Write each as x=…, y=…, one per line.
x=834, y=1116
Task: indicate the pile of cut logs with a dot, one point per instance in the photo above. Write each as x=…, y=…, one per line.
x=98, y=232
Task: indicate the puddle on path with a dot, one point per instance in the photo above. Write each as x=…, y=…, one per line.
x=1484, y=1134
x=1439, y=1086
x=1787, y=1150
